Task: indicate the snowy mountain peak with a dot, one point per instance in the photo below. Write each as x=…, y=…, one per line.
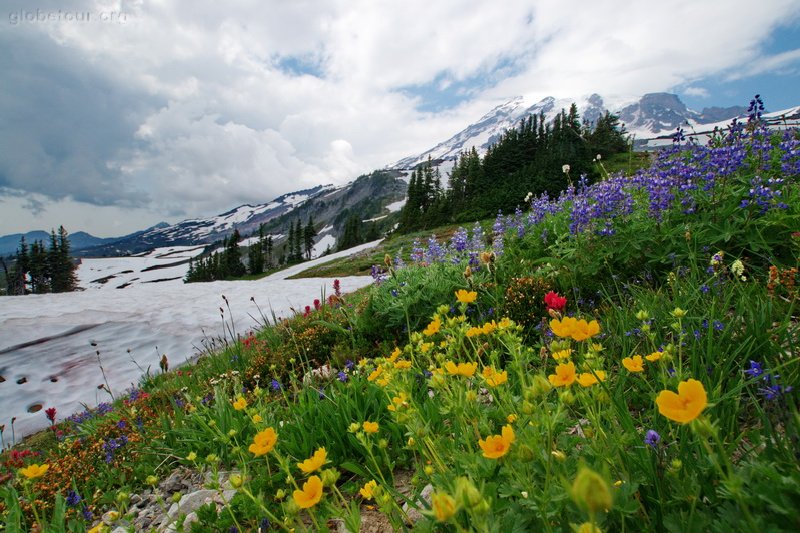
x=644, y=117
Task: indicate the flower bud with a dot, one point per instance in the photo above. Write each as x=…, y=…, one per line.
x=329, y=477
x=703, y=427
x=428, y=470
x=236, y=480
x=467, y=493
x=540, y=385
x=591, y=492
x=151, y=480
x=280, y=494
x=122, y=497
x=526, y=453
x=559, y=455
x=176, y=497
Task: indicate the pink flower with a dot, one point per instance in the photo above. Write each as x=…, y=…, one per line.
x=555, y=302
x=307, y=312
x=316, y=304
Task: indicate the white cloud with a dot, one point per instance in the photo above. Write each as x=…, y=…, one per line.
x=698, y=92
x=213, y=105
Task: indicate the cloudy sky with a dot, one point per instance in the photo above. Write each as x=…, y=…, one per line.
x=117, y=115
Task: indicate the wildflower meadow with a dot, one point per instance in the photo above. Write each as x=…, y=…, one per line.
x=621, y=357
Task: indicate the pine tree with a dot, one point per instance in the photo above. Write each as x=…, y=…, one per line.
x=297, y=249
x=232, y=260
x=63, y=269
x=308, y=237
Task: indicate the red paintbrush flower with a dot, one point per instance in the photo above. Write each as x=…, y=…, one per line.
x=51, y=414
x=555, y=302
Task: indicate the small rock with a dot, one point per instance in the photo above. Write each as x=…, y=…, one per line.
x=413, y=514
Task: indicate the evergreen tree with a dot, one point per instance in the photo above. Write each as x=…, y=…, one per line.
x=232, y=265
x=308, y=236
x=297, y=249
x=62, y=267
x=289, y=248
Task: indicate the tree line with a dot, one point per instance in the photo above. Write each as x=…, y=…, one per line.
x=38, y=269
x=536, y=157
x=262, y=255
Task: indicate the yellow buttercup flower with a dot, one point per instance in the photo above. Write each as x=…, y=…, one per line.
x=398, y=402
x=375, y=374
x=34, y=471
x=497, y=446
x=433, y=327
x=583, y=330
x=497, y=379
x=444, y=506
x=370, y=427
x=368, y=490
x=489, y=327
x=466, y=297
x=587, y=379
x=461, y=369
x=263, y=442
x=257, y=418
x=562, y=354
x=474, y=331
x=633, y=364
x=504, y=323
x=655, y=356
x=564, y=376
x=684, y=406
x=402, y=364
x=425, y=347
x=310, y=495
x=395, y=354
x=240, y=403
x=314, y=462
x=563, y=327
x=512, y=418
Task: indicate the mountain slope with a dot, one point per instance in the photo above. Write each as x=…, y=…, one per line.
x=649, y=116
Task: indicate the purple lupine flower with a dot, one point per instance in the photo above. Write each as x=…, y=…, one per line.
x=341, y=376
x=73, y=498
x=275, y=384
x=652, y=438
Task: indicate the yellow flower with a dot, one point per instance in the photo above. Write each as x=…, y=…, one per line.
x=461, y=369
x=564, y=376
x=633, y=364
x=395, y=354
x=99, y=528
x=240, y=403
x=588, y=527
x=433, y=327
x=399, y=402
x=497, y=446
x=444, y=506
x=263, y=442
x=585, y=330
x=466, y=297
x=33, y=471
x=370, y=427
x=489, y=327
x=497, y=379
x=587, y=379
x=368, y=490
x=684, y=406
x=511, y=418
x=257, y=418
x=425, y=347
x=562, y=354
x=504, y=323
x=191, y=457
x=655, y=356
x=563, y=327
x=402, y=364
x=375, y=374
x=310, y=495
x=474, y=332
x=315, y=462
